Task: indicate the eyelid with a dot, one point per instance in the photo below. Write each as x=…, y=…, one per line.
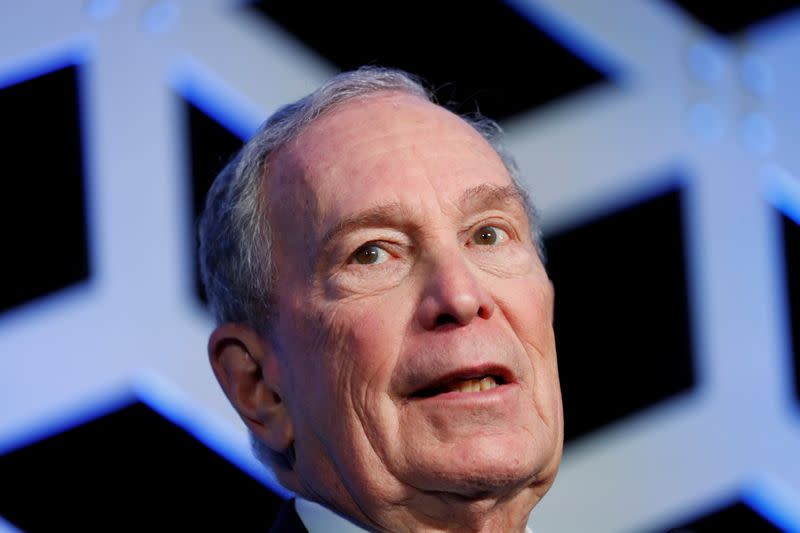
x=505, y=226
x=395, y=245
x=343, y=248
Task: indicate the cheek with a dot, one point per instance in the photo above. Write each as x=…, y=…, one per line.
x=348, y=351
x=373, y=330
x=345, y=406
x=308, y=342
x=529, y=310
x=373, y=342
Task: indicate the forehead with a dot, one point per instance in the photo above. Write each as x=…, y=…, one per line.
x=388, y=148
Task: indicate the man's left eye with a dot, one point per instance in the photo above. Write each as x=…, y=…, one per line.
x=489, y=235
x=370, y=254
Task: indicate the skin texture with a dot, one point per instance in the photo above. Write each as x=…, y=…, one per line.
x=449, y=286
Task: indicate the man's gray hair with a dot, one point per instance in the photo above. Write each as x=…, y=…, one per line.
x=235, y=239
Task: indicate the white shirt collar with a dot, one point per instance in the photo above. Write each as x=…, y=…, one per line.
x=319, y=519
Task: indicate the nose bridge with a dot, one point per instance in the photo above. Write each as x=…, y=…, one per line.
x=452, y=292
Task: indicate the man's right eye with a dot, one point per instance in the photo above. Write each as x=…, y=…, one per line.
x=370, y=254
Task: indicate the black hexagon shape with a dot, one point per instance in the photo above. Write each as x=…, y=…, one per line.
x=732, y=17
x=135, y=467
x=211, y=146
x=791, y=258
x=472, y=53
x=43, y=220
x=622, y=319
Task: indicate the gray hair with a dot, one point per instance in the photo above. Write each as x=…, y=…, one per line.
x=235, y=239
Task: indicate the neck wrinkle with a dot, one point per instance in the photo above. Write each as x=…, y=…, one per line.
x=455, y=513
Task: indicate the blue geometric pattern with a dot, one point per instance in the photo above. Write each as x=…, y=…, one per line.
x=723, y=111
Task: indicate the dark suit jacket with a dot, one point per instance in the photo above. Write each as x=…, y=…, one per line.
x=287, y=520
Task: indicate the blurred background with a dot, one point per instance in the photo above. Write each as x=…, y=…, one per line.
x=657, y=137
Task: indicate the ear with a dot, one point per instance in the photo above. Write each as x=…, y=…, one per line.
x=247, y=369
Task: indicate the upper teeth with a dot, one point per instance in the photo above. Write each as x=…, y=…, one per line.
x=474, y=385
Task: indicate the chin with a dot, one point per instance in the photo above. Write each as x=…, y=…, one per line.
x=483, y=466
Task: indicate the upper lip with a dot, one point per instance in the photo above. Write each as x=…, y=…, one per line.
x=431, y=387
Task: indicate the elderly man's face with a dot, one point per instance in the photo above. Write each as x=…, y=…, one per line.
x=417, y=358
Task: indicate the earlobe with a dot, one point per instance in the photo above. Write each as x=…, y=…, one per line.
x=247, y=369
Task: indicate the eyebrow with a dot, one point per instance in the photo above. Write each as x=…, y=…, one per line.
x=481, y=197
x=487, y=196
x=391, y=214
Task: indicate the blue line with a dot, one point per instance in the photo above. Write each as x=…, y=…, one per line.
x=562, y=32
x=53, y=424
x=170, y=403
x=782, y=190
x=72, y=55
x=210, y=94
x=766, y=503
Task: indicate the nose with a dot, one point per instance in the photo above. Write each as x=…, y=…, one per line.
x=452, y=294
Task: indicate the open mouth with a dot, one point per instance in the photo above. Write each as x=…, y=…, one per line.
x=462, y=384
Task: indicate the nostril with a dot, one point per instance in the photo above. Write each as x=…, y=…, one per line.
x=445, y=318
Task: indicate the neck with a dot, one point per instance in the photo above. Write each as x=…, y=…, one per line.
x=405, y=508
x=442, y=512
x=447, y=512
